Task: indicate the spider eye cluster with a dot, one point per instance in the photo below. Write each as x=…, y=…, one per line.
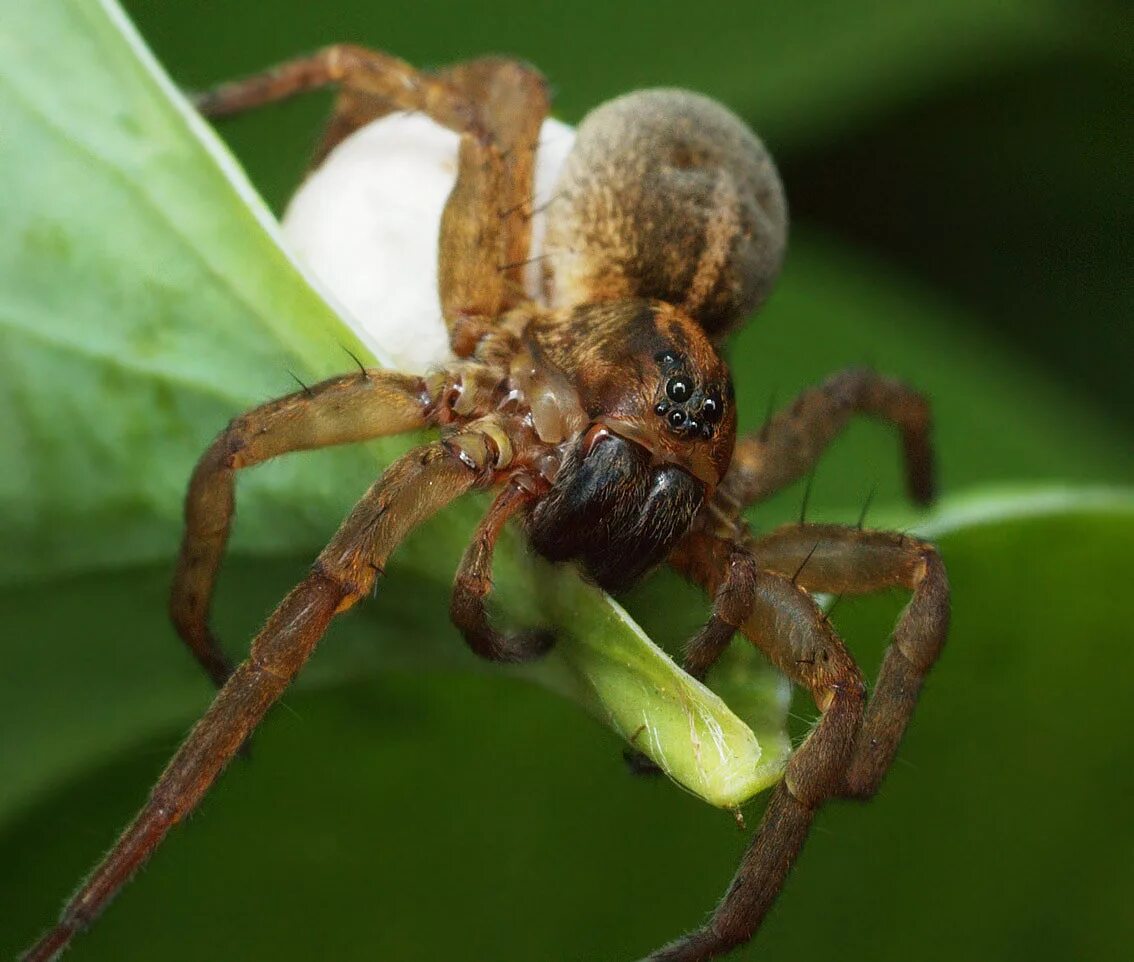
x=689, y=409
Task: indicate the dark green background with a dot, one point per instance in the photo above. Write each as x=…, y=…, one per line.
x=959, y=179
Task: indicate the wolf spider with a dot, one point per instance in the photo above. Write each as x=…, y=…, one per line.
x=603, y=416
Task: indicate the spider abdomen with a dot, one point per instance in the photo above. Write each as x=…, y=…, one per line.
x=668, y=195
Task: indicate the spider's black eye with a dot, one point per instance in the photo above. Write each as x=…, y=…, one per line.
x=676, y=418
x=666, y=357
x=679, y=389
x=711, y=409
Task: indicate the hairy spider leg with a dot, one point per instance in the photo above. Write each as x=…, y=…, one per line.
x=793, y=633
x=412, y=489
x=792, y=440
x=342, y=410
x=473, y=584
x=486, y=226
x=850, y=750
x=497, y=105
x=851, y=561
x=733, y=602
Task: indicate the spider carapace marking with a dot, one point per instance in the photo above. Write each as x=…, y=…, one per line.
x=605, y=420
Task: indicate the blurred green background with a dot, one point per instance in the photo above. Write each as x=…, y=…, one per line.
x=959, y=178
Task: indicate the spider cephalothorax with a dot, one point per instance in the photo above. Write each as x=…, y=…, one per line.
x=630, y=483
x=599, y=410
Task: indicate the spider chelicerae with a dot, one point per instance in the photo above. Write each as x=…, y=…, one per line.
x=600, y=412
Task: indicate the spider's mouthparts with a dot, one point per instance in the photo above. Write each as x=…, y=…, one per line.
x=692, y=462
x=615, y=508
x=599, y=432
x=625, y=431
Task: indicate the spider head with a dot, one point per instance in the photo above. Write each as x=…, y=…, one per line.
x=657, y=436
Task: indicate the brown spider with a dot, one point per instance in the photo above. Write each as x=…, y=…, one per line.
x=604, y=418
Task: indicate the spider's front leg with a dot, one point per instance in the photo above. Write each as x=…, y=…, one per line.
x=850, y=750
x=412, y=489
x=343, y=410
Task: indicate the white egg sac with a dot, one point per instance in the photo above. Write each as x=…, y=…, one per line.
x=366, y=224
